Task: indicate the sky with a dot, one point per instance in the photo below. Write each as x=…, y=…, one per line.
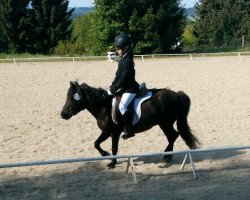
x=89, y=3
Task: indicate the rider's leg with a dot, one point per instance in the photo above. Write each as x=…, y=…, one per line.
x=127, y=115
x=128, y=118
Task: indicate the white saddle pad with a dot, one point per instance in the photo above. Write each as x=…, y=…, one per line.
x=137, y=107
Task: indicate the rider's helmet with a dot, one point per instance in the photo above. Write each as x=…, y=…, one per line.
x=124, y=42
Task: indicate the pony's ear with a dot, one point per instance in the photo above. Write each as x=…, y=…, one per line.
x=74, y=83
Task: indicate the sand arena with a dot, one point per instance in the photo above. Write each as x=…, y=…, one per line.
x=32, y=96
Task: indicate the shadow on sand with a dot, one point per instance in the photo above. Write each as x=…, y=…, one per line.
x=197, y=157
x=94, y=181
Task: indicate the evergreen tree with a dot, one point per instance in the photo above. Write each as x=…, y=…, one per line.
x=245, y=22
x=14, y=25
x=51, y=23
x=155, y=25
x=2, y=38
x=3, y=44
x=219, y=23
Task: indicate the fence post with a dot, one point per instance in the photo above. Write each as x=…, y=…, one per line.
x=131, y=164
x=191, y=58
x=127, y=169
x=239, y=55
x=142, y=58
x=184, y=162
x=192, y=165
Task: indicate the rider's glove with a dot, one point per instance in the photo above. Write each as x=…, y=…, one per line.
x=109, y=93
x=112, y=89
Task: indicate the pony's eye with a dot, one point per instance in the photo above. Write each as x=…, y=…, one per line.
x=77, y=97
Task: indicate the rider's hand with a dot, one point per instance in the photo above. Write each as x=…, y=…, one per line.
x=109, y=93
x=112, y=89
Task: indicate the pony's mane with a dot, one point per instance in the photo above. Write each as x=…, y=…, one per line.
x=95, y=95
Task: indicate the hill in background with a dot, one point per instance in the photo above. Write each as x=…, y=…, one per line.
x=81, y=11
x=191, y=12
x=84, y=10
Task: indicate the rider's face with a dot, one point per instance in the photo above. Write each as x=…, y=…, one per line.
x=119, y=51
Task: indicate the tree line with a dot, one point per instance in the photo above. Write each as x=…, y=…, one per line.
x=33, y=26
x=156, y=26
x=222, y=23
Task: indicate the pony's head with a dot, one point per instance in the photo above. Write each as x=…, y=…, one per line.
x=75, y=101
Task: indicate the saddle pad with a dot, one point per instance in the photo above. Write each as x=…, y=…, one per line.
x=137, y=107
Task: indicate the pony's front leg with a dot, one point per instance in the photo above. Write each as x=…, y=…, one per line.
x=101, y=139
x=115, y=141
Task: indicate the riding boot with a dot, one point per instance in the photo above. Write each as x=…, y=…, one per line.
x=128, y=118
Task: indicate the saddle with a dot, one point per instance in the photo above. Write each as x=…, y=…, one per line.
x=135, y=106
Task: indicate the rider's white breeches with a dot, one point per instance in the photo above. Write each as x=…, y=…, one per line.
x=125, y=101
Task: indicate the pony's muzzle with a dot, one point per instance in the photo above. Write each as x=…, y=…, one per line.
x=65, y=115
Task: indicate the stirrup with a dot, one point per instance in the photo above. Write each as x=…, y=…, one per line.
x=125, y=136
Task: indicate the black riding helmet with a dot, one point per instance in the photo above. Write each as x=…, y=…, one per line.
x=124, y=42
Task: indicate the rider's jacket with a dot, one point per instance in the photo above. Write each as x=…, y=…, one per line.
x=125, y=76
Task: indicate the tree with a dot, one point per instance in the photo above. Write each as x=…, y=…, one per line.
x=33, y=26
x=188, y=37
x=219, y=23
x=155, y=25
x=14, y=25
x=81, y=34
x=3, y=43
x=81, y=37
x=51, y=23
x=245, y=22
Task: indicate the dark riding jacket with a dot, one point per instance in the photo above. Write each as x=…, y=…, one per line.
x=125, y=76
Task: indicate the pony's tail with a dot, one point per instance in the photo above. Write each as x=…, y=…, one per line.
x=182, y=124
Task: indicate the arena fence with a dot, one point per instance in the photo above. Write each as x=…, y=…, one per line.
x=131, y=157
x=137, y=57
x=192, y=56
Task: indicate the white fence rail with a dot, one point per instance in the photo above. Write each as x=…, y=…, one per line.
x=141, y=57
x=53, y=59
x=192, y=55
x=188, y=153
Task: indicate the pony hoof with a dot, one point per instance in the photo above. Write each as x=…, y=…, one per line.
x=105, y=153
x=111, y=165
x=167, y=159
x=124, y=137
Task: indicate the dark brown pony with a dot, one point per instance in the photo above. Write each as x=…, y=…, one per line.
x=163, y=109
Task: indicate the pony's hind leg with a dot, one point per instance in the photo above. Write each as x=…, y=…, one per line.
x=171, y=135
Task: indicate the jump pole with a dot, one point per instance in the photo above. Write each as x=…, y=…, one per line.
x=130, y=164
